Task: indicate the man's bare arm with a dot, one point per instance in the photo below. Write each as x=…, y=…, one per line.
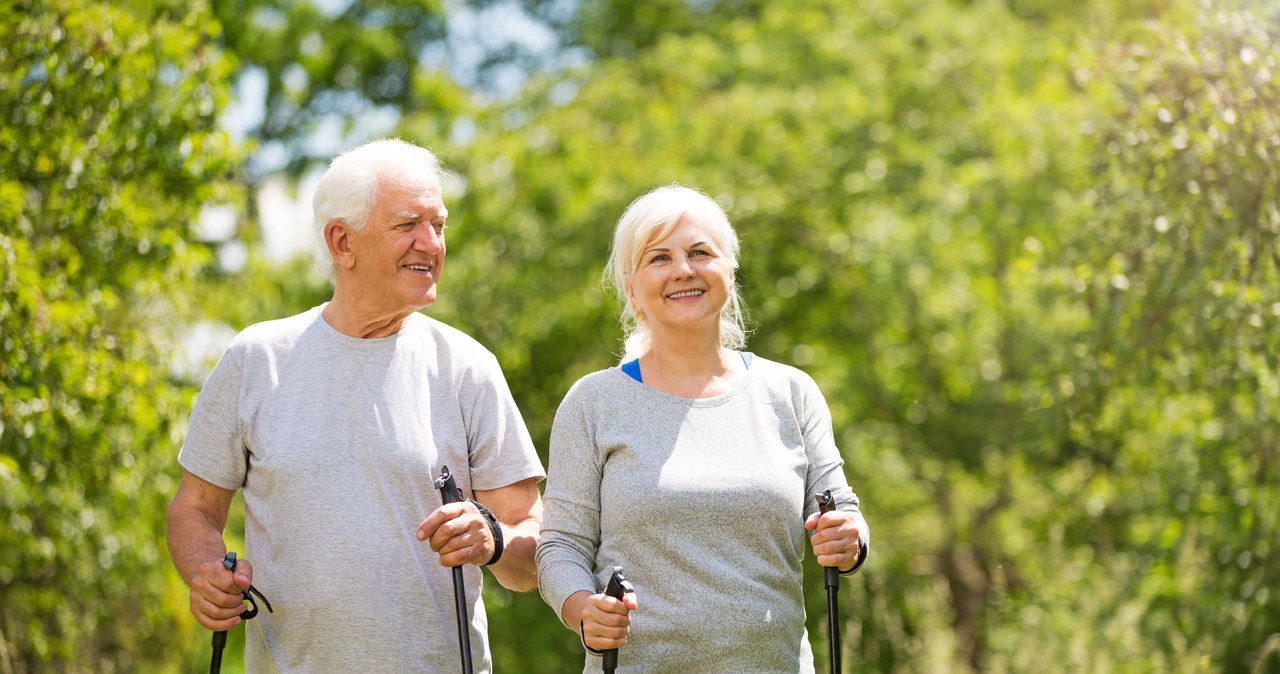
x=196, y=518
x=461, y=535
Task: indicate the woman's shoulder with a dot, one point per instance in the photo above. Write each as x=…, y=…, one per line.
x=595, y=383
x=778, y=370
x=777, y=375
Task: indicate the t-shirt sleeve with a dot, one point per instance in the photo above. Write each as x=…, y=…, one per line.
x=215, y=449
x=500, y=451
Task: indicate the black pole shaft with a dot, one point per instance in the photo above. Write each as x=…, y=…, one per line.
x=450, y=493
x=464, y=628
x=219, y=643
x=831, y=578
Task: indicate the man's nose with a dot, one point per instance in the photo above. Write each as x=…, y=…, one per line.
x=429, y=239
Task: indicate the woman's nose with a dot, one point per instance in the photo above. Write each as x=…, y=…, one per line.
x=681, y=268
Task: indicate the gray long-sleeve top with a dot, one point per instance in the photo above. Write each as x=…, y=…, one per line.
x=702, y=503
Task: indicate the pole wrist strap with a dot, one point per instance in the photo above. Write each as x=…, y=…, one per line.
x=494, y=528
x=583, y=637
x=863, y=551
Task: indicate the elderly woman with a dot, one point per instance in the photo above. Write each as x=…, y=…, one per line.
x=694, y=466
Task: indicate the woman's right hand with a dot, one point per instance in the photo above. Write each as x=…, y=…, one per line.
x=604, y=620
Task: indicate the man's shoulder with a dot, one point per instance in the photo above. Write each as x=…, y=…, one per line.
x=276, y=332
x=446, y=336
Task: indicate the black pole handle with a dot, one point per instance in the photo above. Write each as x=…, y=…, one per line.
x=220, y=638
x=830, y=574
x=831, y=579
x=617, y=587
x=450, y=493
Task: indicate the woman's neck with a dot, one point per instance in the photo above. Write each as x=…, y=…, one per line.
x=691, y=367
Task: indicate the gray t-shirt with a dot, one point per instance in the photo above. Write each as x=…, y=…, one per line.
x=335, y=442
x=702, y=503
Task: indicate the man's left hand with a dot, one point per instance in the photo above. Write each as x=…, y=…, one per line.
x=459, y=533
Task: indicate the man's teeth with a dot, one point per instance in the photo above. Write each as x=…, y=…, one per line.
x=685, y=293
x=420, y=267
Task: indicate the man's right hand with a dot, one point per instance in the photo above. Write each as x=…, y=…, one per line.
x=217, y=594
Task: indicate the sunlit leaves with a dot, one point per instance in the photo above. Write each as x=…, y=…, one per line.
x=109, y=152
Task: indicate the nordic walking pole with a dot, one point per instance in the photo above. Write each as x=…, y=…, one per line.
x=449, y=493
x=220, y=638
x=617, y=587
x=831, y=579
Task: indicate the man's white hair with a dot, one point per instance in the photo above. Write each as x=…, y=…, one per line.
x=349, y=189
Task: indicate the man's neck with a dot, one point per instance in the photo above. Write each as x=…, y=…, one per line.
x=361, y=324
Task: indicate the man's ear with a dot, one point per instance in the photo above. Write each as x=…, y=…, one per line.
x=338, y=237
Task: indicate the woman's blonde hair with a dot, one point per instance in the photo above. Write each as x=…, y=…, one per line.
x=651, y=218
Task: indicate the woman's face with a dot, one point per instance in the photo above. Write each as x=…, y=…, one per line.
x=682, y=281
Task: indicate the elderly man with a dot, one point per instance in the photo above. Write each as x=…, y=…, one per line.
x=334, y=424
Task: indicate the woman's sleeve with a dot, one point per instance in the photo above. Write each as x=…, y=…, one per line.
x=571, y=522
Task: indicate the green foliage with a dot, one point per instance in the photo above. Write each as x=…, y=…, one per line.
x=964, y=220
x=1027, y=248
x=327, y=66
x=107, y=150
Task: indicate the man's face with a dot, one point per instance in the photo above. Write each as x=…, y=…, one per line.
x=400, y=252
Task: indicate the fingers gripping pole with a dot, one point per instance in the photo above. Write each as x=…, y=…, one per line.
x=617, y=587
x=449, y=493
x=220, y=638
x=831, y=579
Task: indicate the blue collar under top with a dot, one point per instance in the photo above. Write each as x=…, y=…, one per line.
x=632, y=367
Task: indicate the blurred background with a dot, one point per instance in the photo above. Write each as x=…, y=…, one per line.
x=1028, y=249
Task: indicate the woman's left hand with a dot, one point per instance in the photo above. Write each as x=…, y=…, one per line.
x=835, y=538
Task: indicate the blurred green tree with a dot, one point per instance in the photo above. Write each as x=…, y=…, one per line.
x=326, y=67
x=110, y=148
x=1028, y=249
x=963, y=219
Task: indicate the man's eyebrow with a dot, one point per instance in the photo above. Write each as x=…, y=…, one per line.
x=407, y=215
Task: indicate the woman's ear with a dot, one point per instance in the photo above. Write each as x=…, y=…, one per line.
x=338, y=237
x=631, y=300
